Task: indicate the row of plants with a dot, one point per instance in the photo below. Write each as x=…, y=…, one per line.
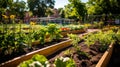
x=41, y=61
x=108, y=27
x=95, y=25
x=100, y=40
x=13, y=43
x=26, y=28
x=72, y=27
x=103, y=38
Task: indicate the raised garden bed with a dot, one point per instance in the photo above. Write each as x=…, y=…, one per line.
x=115, y=58
x=26, y=50
x=103, y=62
x=73, y=32
x=17, y=60
x=94, y=58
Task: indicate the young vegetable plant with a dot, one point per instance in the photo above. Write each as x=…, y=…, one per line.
x=64, y=62
x=36, y=61
x=103, y=38
x=41, y=61
x=118, y=37
x=54, y=32
x=75, y=39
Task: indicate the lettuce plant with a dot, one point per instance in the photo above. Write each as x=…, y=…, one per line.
x=104, y=38
x=36, y=61
x=41, y=61
x=64, y=62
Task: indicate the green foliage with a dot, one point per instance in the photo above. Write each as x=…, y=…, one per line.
x=104, y=38
x=64, y=62
x=118, y=37
x=41, y=61
x=98, y=25
x=39, y=58
x=38, y=7
x=36, y=61
x=103, y=7
x=75, y=27
x=16, y=8
x=61, y=12
x=68, y=52
x=75, y=9
x=11, y=43
x=75, y=39
x=54, y=31
x=42, y=34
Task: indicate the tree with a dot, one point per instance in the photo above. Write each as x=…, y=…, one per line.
x=61, y=12
x=38, y=7
x=3, y=5
x=18, y=9
x=49, y=12
x=9, y=7
x=103, y=7
x=70, y=12
x=76, y=9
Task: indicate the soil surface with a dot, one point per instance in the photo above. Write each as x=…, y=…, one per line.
x=4, y=58
x=115, y=58
x=91, y=58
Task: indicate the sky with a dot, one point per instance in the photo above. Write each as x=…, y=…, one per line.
x=60, y=3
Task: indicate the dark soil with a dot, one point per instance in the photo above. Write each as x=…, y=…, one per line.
x=4, y=58
x=115, y=58
x=81, y=60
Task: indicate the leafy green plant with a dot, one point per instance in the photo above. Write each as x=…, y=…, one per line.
x=69, y=52
x=11, y=43
x=54, y=31
x=64, y=62
x=42, y=35
x=104, y=38
x=75, y=39
x=41, y=61
x=36, y=61
x=118, y=37
x=98, y=24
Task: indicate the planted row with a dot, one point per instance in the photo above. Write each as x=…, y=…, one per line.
x=95, y=42
x=13, y=43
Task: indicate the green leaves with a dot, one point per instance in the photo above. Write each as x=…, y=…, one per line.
x=64, y=62
x=97, y=7
x=36, y=61
x=76, y=9
x=75, y=39
x=41, y=61
x=54, y=31
x=104, y=38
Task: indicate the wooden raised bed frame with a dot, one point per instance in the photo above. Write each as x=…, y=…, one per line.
x=106, y=56
x=45, y=51
x=54, y=48
x=73, y=32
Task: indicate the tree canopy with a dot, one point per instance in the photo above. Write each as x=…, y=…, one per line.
x=103, y=7
x=16, y=8
x=38, y=7
x=75, y=9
